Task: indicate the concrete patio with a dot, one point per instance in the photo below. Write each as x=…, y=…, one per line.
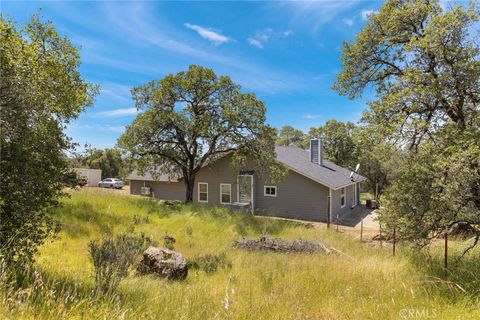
x=354, y=217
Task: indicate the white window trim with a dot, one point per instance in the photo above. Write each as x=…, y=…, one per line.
x=343, y=194
x=198, y=191
x=229, y=192
x=269, y=195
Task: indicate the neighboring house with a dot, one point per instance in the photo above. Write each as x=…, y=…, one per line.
x=312, y=189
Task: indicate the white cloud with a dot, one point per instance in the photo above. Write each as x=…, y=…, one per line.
x=311, y=116
x=255, y=43
x=209, y=34
x=118, y=112
x=140, y=29
x=112, y=128
x=261, y=37
x=315, y=14
x=366, y=13
x=349, y=22
x=98, y=127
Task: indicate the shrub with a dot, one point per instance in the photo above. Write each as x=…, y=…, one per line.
x=169, y=242
x=210, y=262
x=138, y=219
x=113, y=257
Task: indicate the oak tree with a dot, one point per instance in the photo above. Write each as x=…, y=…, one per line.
x=194, y=117
x=424, y=63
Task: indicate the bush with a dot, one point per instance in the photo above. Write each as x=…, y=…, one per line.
x=169, y=241
x=210, y=262
x=113, y=257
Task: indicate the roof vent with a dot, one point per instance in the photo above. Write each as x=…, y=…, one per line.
x=316, y=151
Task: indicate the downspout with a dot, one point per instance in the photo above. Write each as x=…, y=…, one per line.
x=330, y=203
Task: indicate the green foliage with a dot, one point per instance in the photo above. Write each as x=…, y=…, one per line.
x=432, y=194
x=71, y=179
x=424, y=63
x=210, y=263
x=338, y=141
x=195, y=117
x=169, y=242
x=378, y=160
x=41, y=91
x=113, y=257
x=289, y=136
x=110, y=161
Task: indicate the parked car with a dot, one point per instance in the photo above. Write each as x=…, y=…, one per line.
x=111, y=183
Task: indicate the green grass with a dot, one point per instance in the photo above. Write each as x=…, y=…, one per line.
x=367, y=284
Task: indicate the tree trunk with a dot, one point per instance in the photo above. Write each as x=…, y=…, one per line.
x=189, y=185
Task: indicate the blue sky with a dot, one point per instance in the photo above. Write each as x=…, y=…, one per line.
x=287, y=53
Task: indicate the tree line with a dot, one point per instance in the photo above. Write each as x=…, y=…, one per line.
x=111, y=161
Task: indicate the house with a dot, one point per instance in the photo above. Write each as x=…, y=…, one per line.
x=314, y=189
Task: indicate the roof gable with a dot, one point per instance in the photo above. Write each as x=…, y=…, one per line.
x=328, y=174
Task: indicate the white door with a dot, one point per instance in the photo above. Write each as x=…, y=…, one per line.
x=245, y=190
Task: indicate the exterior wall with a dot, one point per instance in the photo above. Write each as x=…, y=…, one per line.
x=93, y=176
x=336, y=201
x=161, y=190
x=219, y=172
x=297, y=197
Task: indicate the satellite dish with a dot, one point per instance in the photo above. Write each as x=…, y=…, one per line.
x=357, y=167
x=351, y=174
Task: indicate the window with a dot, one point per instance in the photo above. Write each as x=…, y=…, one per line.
x=225, y=193
x=270, y=191
x=202, y=192
x=342, y=199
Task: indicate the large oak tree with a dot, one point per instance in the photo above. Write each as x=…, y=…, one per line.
x=424, y=63
x=194, y=117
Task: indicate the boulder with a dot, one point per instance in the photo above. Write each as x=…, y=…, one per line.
x=163, y=262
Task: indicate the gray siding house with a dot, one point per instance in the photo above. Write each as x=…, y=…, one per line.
x=314, y=189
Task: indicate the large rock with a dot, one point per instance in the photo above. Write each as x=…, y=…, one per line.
x=166, y=263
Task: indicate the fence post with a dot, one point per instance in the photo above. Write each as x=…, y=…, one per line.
x=394, y=232
x=380, y=231
x=337, y=222
x=446, y=251
x=361, y=230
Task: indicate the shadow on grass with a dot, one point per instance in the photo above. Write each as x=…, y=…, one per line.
x=76, y=219
x=48, y=294
x=243, y=223
x=160, y=209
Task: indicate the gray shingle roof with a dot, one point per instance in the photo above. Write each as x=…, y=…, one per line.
x=298, y=160
x=329, y=174
x=147, y=176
